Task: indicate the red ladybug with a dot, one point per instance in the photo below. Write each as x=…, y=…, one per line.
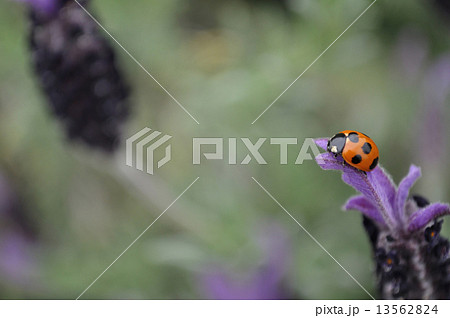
x=357, y=149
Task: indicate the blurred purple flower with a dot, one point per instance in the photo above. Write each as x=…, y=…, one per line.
x=436, y=91
x=432, y=118
x=380, y=200
x=262, y=282
x=47, y=6
x=17, y=264
x=410, y=54
x=12, y=212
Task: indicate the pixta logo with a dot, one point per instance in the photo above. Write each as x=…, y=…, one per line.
x=252, y=150
x=143, y=145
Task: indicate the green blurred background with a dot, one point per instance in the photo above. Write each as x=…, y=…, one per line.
x=76, y=209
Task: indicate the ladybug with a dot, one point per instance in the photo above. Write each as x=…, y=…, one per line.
x=357, y=149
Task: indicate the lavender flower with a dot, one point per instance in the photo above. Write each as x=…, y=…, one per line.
x=436, y=92
x=77, y=71
x=412, y=259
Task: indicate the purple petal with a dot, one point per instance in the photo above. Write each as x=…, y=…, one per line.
x=403, y=191
x=371, y=185
x=327, y=161
x=376, y=185
x=422, y=217
x=363, y=205
x=384, y=187
x=321, y=142
x=384, y=180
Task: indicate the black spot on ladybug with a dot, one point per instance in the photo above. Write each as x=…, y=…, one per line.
x=367, y=148
x=374, y=163
x=356, y=159
x=353, y=137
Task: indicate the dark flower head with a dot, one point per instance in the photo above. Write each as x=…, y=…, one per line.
x=78, y=72
x=380, y=200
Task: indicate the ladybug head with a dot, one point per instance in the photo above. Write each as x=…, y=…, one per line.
x=336, y=144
